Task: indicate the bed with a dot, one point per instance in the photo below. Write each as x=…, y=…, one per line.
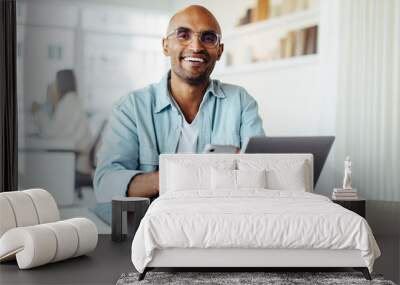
x=247, y=210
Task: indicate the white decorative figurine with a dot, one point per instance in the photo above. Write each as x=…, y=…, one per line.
x=347, y=174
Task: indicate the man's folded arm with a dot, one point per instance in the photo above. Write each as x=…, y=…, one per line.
x=144, y=185
x=118, y=158
x=251, y=122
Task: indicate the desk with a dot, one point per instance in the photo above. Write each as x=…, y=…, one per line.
x=36, y=143
x=49, y=164
x=102, y=266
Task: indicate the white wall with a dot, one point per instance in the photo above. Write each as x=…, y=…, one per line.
x=287, y=97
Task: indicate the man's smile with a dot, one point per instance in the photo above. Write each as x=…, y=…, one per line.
x=198, y=59
x=195, y=59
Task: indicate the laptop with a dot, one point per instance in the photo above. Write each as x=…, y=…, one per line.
x=318, y=146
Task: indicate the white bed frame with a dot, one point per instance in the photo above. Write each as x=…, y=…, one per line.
x=256, y=258
x=234, y=257
x=241, y=259
x=251, y=258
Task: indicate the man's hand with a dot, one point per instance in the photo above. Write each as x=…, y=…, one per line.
x=144, y=185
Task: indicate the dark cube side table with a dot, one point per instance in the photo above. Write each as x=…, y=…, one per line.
x=357, y=206
x=135, y=208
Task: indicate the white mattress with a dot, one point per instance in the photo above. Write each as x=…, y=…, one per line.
x=250, y=219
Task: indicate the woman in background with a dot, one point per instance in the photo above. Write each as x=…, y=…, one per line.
x=66, y=118
x=47, y=107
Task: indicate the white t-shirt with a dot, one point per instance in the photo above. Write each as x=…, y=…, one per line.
x=189, y=133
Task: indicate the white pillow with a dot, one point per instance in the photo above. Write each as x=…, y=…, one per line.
x=282, y=174
x=251, y=179
x=190, y=176
x=186, y=177
x=290, y=179
x=225, y=179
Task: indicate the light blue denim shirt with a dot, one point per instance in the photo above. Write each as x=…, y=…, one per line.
x=146, y=123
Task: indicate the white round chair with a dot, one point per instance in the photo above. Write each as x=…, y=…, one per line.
x=31, y=233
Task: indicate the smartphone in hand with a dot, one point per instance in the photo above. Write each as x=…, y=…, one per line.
x=219, y=148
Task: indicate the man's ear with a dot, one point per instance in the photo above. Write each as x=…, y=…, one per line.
x=165, y=46
x=220, y=50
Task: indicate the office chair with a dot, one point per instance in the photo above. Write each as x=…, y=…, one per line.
x=86, y=180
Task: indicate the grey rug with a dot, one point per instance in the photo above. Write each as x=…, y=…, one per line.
x=225, y=278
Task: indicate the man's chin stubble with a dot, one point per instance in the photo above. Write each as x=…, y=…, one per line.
x=196, y=80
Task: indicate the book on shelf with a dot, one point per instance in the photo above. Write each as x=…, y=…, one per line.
x=262, y=10
x=282, y=49
x=301, y=5
x=311, y=40
x=253, y=15
x=247, y=18
x=299, y=42
x=288, y=6
x=275, y=8
x=311, y=3
x=290, y=44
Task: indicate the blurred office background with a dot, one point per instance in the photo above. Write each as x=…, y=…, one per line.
x=315, y=67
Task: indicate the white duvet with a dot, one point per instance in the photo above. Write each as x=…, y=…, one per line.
x=250, y=219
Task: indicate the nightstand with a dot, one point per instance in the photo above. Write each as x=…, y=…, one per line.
x=357, y=206
x=135, y=208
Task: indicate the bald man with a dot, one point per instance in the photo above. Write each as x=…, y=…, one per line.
x=181, y=114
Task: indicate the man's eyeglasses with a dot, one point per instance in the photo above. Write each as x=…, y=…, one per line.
x=184, y=36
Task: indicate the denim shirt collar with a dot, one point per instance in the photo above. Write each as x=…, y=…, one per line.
x=163, y=99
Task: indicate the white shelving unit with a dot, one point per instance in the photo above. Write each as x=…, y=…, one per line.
x=297, y=19
x=287, y=90
x=294, y=62
x=266, y=32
